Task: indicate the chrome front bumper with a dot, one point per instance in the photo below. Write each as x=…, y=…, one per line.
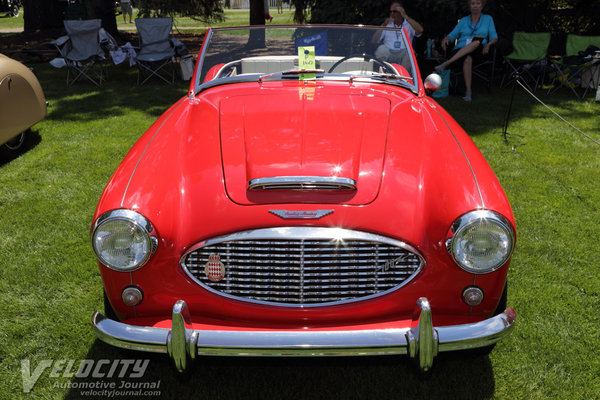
x=422, y=343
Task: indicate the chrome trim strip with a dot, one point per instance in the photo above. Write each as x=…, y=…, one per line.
x=201, y=58
x=421, y=342
x=302, y=183
x=126, y=215
x=304, y=232
x=299, y=233
x=301, y=214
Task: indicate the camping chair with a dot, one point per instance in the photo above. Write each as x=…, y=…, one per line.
x=319, y=40
x=157, y=50
x=483, y=68
x=579, y=65
x=81, y=49
x=527, y=59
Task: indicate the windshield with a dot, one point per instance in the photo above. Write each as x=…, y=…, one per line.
x=266, y=53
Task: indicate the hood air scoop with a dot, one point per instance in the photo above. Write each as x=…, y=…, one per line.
x=302, y=183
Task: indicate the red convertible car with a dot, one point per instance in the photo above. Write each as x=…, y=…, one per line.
x=304, y=198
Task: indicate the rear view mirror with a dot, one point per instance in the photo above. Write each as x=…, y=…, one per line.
x=432, y=83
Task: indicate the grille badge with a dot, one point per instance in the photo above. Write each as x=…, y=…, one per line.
x=214, y=268
x=301, y=214
x=392, y=263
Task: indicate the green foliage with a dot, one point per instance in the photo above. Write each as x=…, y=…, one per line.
x=201, y=10
x=370, y=12
x=556, y=16
x=439, y=16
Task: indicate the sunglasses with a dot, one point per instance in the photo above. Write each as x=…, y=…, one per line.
x=394, y=11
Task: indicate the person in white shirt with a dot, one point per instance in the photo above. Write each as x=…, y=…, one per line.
x=392, y=47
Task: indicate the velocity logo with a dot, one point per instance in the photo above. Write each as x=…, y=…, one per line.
x=133, y=369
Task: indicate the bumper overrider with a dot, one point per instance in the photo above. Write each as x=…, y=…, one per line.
x=422, y=342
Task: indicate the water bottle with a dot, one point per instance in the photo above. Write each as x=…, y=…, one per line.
x=429, y=46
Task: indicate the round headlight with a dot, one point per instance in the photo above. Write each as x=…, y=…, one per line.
x=483, y=241
x=121, y=240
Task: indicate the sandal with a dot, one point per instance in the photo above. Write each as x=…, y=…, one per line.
x=440, y=68
x=467, y=97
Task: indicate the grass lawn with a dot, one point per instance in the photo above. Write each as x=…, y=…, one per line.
x=6, y=21
x=50, y=283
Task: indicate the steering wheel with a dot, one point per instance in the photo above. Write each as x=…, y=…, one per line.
x=366, y=57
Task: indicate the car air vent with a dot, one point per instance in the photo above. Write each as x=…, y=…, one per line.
x=302, y=183
x=302, y=266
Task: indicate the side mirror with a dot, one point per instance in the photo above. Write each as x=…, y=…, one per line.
x=432, y=83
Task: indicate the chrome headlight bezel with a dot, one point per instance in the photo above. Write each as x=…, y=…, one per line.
x=138, y=223
x=472, y=220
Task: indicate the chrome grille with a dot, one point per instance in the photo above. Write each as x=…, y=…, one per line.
x=304, y=266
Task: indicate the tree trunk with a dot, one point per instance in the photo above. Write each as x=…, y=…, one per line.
x=257, y=17
x=49, y=14
x=104, y=10
x=43, y=14
x=257, y=12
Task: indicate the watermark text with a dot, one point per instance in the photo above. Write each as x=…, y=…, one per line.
x=86, y=369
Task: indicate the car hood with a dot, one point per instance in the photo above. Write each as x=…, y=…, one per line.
x=414, y=166
x=298, y=136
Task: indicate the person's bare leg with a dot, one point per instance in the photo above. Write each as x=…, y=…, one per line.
x=468, y=75
x=468, y=49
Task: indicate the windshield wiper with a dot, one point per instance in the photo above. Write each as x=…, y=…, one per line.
x=292, y=72
x=388, y=76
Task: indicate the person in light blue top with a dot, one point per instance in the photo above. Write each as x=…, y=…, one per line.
x=474, y=34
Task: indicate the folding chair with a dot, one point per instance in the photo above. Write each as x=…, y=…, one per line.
x=82, y=51
x=527, y=58
x=576, y=66
x=157, y=50
x=319, y=40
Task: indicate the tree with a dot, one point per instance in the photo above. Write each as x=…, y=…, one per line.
x=440, y=16
x=257, y=12
x=256, y=38
x=104, y=10
x=368, y=12
x=42, y=15
x=201, y=10
x=49, y=14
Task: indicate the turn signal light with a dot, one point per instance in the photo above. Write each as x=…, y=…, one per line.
x=472, y=296
x=132, y=296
